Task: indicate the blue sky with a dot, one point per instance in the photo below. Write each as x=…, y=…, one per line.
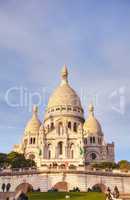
x=92, y=37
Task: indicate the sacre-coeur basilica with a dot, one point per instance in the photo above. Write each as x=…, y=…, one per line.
x=65, y=136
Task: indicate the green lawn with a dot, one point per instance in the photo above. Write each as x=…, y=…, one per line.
x=61, y=196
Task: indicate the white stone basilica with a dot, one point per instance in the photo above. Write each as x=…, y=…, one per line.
x=65, y=137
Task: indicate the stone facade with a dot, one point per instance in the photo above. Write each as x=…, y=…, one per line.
x=65, y=137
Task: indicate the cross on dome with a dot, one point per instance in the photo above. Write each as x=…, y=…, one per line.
x=91, y=109
x=64, y=75
x=35, y=110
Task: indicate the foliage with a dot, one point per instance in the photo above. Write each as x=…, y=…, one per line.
x=105, y=165
x=15, y=160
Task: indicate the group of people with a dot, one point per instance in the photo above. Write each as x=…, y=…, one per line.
x=6, y=188
x=112, y=195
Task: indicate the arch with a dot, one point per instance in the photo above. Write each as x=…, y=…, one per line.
x=92, y=156
x=24, y=187
x=99, y=187
x=61, y=186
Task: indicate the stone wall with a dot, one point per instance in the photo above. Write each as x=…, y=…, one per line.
x=47, y=179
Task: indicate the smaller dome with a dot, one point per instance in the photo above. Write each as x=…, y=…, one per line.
x=34, y=123
x=92, y=125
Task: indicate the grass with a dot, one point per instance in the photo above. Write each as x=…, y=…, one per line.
x=61, y=196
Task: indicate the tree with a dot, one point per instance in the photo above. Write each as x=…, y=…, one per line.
x=124, y=165
x=3, y=160
x=17, y=160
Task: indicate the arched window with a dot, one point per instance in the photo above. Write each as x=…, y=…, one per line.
x=69, y=125
x=75, y=127
x=60, y=128
x=31, y=141
x=60, y=148
x=52, y=126
x=34, y=140
x=91, y=140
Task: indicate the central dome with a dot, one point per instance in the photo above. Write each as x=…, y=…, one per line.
x=64, y=95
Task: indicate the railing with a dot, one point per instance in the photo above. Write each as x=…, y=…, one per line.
x=33, y=171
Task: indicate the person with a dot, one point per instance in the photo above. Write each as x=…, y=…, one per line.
x=116, y=193
x=8, y=186
x=23, y=197
x=3, y=187
x=108, y=194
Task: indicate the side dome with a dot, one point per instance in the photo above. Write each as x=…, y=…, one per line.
x=34, y=123
x=92, y=125
x=64, y=97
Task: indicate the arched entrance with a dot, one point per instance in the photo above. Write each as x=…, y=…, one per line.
x=24, y=188
x=99, y=188
x=61, y=186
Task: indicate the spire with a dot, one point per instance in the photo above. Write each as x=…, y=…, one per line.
x=64, y=75
x=91, y=109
